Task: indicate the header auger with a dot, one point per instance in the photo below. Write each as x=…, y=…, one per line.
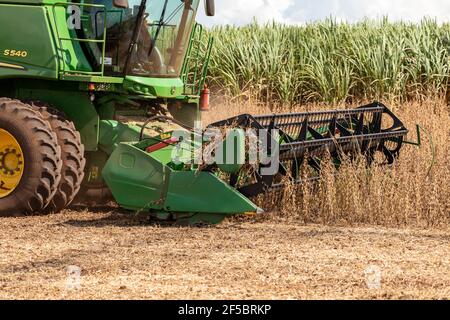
x=76, y=67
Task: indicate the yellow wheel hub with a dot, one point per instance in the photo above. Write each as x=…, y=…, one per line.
x=11, y=163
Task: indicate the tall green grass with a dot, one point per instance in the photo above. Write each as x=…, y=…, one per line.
x=331, y=62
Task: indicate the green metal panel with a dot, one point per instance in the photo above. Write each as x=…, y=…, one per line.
x=26, y=46
x=112, y=133
x=204, y=192
x=136, y=180
x=71, y=55
x=139, y=181
x=24, y=1
x=34, y=1
x=232, y=152
x=93, y=79
x=157, y=87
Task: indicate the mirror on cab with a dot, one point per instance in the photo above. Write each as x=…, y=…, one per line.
x=210, y=8
x=123, y=4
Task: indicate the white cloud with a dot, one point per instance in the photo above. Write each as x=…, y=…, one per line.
x=244, y=11
x=240, y=12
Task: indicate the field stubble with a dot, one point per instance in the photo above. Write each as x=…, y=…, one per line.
x=124, y=257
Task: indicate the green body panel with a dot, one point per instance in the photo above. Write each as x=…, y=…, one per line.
x=136, y=180
x=30, y=1
x=71, y=55
x=204, y=192
x=165, y=155
x=93, y=79
x=232, y=161
x=112, y=133
x=157, y=87
x=139, y=181
x=30, y=36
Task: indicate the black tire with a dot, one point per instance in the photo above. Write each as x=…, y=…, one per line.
x=42, y=159
x=72, y=155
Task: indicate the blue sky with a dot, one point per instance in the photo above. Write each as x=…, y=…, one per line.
x=240, y=12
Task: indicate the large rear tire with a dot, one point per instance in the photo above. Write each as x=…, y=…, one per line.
x=72, y=154
x=34, y=160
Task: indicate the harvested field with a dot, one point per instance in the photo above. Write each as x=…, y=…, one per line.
x=122, y=256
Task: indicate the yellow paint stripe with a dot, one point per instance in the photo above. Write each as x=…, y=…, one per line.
x=13, y=66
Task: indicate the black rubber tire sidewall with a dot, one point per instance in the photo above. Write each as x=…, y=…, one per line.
x=34, y=191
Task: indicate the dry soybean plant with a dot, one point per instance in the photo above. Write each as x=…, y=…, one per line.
x=414, y=192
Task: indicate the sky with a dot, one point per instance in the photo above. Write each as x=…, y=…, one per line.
x=241, y=12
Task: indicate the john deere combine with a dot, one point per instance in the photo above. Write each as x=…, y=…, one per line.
x=69, y=70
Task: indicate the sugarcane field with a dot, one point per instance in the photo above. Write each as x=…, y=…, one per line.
x=202, y=150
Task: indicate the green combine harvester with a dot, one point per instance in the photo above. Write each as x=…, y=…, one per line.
x=70, y=70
